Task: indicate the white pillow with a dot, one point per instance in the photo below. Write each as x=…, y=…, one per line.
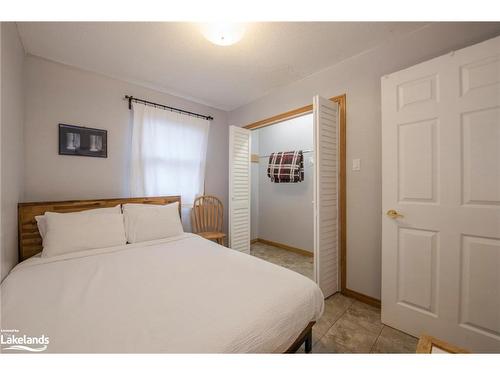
x=70, y=233
x=42, y=227
x=146, y=222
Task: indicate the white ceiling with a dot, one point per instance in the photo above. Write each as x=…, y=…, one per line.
x=176, y=59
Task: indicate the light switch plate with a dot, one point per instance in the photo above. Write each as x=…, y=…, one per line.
x=356, y=164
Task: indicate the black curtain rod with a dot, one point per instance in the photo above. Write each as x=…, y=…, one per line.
x=131, y=98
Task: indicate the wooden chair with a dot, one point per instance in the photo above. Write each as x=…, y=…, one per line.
x=207, y=218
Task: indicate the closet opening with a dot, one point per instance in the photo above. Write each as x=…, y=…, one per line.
x=283, y=214
x=282, y=221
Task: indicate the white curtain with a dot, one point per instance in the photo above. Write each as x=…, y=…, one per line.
x=168, y=153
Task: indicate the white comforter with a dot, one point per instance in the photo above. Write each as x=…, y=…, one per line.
x=181, y=295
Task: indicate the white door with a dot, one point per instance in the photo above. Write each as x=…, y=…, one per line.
x=326, y=116
x=441, y=171
x=239, y=189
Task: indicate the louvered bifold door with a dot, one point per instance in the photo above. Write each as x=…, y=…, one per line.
x=239, y=189
x=326, y=195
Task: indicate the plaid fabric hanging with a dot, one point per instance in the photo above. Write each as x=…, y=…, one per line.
x=286, y=167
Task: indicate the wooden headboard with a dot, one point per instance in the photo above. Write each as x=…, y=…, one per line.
x=30, y=242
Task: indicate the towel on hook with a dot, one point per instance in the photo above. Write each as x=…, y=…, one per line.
x=286, y=166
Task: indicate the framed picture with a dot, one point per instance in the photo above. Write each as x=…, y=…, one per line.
x=82, y=141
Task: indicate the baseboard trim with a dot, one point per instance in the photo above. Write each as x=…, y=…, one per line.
x=284, y=247
x=361, y=297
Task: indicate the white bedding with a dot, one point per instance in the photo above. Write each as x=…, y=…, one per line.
x=180, y=295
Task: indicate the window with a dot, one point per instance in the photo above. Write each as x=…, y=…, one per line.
x=168, y=153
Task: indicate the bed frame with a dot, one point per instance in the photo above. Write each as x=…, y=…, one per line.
x=30, y=241
x=305, y=338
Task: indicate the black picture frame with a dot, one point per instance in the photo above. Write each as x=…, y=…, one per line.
x=83, y=141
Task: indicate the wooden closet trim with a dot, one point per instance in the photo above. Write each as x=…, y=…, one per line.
x=341, y=100
x=281, y=117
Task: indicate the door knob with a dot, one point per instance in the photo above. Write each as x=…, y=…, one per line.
x=393, y=214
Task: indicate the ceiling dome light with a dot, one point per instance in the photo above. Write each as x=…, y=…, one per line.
x=223, y=34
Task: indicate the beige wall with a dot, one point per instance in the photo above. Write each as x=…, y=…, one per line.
x=12, y=60
x=359, y=77
x=57, y=93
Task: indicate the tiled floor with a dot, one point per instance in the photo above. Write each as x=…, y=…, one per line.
x=350, y=326
x=296, y=262
x=347, y=325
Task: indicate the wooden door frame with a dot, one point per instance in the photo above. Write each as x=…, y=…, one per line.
x=341, y=100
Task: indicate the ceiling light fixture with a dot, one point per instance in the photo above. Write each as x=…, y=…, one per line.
x=223, y=34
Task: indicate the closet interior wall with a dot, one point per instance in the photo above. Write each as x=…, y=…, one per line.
x=283, y=212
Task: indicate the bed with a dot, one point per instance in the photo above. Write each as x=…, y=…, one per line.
x=182, y=294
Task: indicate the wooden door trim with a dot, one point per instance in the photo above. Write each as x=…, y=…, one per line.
x=341, y=100
x=279, y=118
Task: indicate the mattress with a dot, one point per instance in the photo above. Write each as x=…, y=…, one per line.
x=179, y=295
